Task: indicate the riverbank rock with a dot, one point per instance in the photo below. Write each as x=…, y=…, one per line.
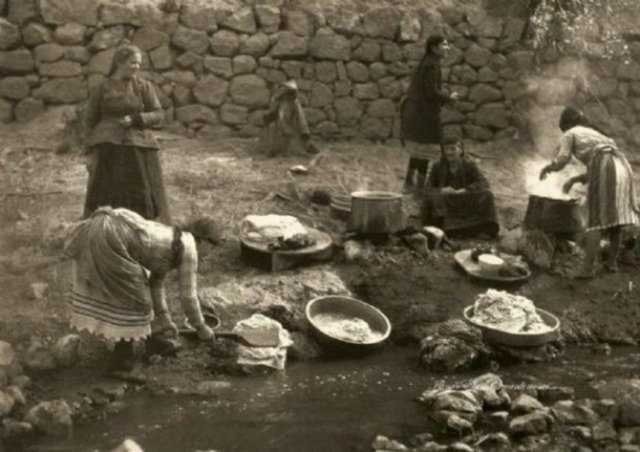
x=626, y=393
x=128, y=445
x=65, y=350
x=384, y=444
x=490, y=390
x=457, y=410
x=12, y=428
x=534, y=423
x=39, y=357
x=51, y=417
x=454, y=345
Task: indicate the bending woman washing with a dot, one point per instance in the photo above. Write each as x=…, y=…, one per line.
x=611, y=198
x=120, y=262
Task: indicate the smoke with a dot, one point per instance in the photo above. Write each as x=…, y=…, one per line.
x=553, y=89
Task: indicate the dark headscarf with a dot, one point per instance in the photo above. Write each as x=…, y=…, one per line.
x=122, y=55
x=433, y=41
x=572, y=117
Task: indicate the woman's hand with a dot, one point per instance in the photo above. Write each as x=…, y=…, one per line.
x=205, y=333
x=126, y=121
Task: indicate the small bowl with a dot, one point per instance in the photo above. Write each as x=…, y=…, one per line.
x=490, y=263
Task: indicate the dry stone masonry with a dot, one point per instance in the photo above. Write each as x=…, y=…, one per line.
x=216, y=64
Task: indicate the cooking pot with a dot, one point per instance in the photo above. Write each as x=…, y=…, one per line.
x=557, y=216
x=376, y=212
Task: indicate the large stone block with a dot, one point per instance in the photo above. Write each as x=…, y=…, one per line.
x=242, y=21
x=186, y=78
x=391, y=52
x=70, y=34
x=64, y=11
x=268, y=18
x=22, y=11
x=60, y=69
x=211, y=90
x=381, y=22
x=190, y=114
x=190, y=40
x=451, y=116
x=101, y=62
x=250, y=91
x=390, y=88
x=9, y=34
x=483, y=93
x=293, y=69
x=298, y=22
x=348, y=111
x=48, y=53
x=78, y=54
x=108, y=38
x=326, y=71
x=16, y=62
x=376, y=128
x=377, y=71
x=161, y=58
x=486, y=75
x=255, y=45
x=289, y=45
x=513, y=31
x=477, y=56
x=348, y=23
x=14, y=88
x=382, y=108
x=149, y=38
x=224, y=43
x=199, y=17
x=410, y=28
x=321, y=95
x=368, y=51
x=463, y=74
x=328, y=45
x=477, y=133
x=521, y=60
x=28, y=108
x=357, y=71
x=62, y=91
x=35, y=34
x=234, y=114
x=220, y=66
x=119, y=14
x=366, y=91
x=244, y=64
x=490, y=27
x=492, y=115
x=6, y=111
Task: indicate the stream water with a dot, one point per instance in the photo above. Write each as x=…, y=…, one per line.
x=321, y=406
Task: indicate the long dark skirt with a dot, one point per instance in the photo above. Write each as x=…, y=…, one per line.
x=461, y=214
x=129, y=177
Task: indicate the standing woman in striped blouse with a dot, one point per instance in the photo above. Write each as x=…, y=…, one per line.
x=611, y=197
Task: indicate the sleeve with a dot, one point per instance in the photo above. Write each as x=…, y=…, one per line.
x=153, y=113
x=564, y=150
x=302, y=118
x=92, y=112
x=478, y=182
x=431, y=75
x=188, y=282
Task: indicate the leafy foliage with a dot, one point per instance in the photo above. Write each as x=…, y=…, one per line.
x=581, y=27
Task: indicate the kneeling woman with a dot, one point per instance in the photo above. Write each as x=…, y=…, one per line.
x=457, y=197
x=120, y=262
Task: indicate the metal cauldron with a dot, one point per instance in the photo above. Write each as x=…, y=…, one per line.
x=376, y=212
x=555, y=216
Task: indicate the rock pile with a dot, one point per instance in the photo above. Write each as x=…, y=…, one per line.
x=487, y=415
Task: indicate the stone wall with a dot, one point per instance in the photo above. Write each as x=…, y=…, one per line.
x=216, y=63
